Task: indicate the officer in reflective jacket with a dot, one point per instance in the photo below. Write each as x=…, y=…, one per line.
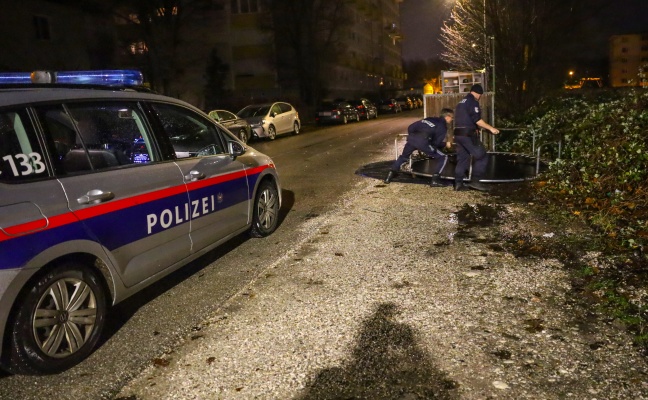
x=467, y=121
x=427, y=136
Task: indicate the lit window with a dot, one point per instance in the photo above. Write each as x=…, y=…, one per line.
x=161, y=12
x=137, y=48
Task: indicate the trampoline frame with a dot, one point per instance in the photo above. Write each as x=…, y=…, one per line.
x=537, y=161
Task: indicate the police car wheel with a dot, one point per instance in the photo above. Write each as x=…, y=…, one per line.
x=272, y=133
x=57, y=323
x=296, y=128
x=266, y=210
x=242, y=135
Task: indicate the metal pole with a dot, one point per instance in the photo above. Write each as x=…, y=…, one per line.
x=493, y=95
x=485, y=41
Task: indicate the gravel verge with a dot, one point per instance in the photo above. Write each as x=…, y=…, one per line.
x=390, y=297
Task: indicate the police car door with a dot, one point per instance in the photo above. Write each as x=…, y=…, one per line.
x=34, y=216
x=216, y=182
x=118, y=185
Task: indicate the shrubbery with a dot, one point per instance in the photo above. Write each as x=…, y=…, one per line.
x=602, y=174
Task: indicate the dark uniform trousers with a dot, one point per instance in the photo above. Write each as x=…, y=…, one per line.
x=467, y=144
x=419, y=141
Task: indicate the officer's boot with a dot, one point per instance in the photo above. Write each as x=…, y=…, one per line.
x=477, y=185
x=460, y=187
x=436, y=181
x=391, y=175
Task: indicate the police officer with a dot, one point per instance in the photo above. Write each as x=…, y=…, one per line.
x=468, y=120
x=427, y=136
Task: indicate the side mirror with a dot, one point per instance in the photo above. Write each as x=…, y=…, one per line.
x=235, y=149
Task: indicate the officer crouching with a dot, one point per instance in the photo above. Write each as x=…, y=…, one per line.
x=427, y=136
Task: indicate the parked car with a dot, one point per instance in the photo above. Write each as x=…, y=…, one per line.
x=238, y=126
x=339, y=112
x=405, y=103
x=103, y=192
x=366, y=109
x=389, y=106
x=271, y=119
x=418, y=101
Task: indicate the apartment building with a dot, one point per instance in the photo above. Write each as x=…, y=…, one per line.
x=176, y=49
x=628, y=53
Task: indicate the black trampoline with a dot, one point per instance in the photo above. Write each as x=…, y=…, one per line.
x=502, y=167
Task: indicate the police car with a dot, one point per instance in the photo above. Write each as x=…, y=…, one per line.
x=103, y=191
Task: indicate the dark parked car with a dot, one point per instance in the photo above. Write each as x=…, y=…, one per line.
x=389, y=106
x=339, y=112
x=234, y=124
x=366, y=109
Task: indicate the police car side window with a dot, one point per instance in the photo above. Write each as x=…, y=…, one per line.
x=21, y=156
x=96, y=136
x=191, y=135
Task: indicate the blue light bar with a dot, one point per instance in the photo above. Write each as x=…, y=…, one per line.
x=120, y=77
x=7, y=78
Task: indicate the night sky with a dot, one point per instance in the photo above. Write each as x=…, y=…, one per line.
x=421, y=22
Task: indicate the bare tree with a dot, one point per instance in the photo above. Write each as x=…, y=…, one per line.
x=160, y=30
x=530, y=38
x=307, y=35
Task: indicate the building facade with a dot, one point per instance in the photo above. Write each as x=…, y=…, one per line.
x=176, y=49
x=628, y=53
x=372, y=62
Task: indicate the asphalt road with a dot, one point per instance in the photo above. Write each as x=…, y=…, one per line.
x=316, y=168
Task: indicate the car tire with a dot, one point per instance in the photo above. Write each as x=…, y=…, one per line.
x=265, y=215
x=45, y=336
x=242, y=135
x=272, y=132
x=296, y=128
x=345, y=120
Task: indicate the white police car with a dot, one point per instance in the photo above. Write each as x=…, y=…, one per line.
x=103, y=191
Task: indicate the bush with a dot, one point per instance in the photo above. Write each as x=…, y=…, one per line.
x=602, y=174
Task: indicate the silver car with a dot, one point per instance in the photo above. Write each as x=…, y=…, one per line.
x=102, y=193
x=271, y=119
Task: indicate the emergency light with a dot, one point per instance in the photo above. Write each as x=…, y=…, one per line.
x=121, y=77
